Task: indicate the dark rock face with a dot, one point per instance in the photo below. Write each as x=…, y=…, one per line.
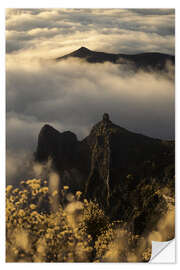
x=100, y=172
x=70, y=158
x=61, y=147
x=110, y=164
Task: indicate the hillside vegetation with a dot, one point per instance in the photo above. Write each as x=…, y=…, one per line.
x=47, y=225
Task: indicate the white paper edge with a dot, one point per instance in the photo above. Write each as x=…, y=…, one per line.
x=163, y=252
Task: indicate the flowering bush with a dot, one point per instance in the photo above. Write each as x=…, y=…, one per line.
x=44, y=224
x=36, y=234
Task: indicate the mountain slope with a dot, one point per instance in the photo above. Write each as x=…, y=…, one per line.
x=144, y=60
x=121, y=170
x=109, y=151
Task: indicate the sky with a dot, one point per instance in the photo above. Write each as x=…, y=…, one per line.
x=73, y=95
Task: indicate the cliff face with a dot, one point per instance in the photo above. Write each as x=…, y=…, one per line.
x=70, y=158
x=103, y=162
x=99, y=179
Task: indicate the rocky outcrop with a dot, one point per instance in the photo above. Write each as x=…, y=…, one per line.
x=61, y=147
x=100, y=173
x=105, y=160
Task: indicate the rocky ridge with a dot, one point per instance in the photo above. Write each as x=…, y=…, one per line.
x=109, y=164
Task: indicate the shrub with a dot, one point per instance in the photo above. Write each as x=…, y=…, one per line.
x=36, y=235
x=94, y=220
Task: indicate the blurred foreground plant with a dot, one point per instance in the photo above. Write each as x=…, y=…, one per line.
x=49, y=225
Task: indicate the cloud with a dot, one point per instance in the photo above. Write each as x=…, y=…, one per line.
x=155, y=11
x=76, y=94
x=117, y=30
x=18, y=166
x=73, y=95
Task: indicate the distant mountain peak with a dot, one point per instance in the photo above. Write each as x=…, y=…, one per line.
x=81, y=52
x=84, y=49
x=148, y=61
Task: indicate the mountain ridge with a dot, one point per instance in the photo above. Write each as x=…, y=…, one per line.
x=147, y=60
x=115, y=167
x=107, y=145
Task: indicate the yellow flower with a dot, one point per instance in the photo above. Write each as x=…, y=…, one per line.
x=32, y=206
x=48, y=236
x=34, y=213
x=55, y=193
x=8, y=188
x=16, y=190
x=34, y=192
x=44, y=190
x=21, y=212
x=23, y=196
x=56, y=228
x=66, y=187
x=78, y=194
x=22, y=182
x=35, y=186
x=11, y=199
x=34, y=183
x=28, y=182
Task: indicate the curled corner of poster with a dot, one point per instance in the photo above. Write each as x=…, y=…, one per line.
x=163, y=252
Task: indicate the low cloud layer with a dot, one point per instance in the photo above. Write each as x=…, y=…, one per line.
x=54, y=32
x=75, y=94
x=72, y=94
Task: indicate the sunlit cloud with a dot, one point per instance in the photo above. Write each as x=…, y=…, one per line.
x=73, y=95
